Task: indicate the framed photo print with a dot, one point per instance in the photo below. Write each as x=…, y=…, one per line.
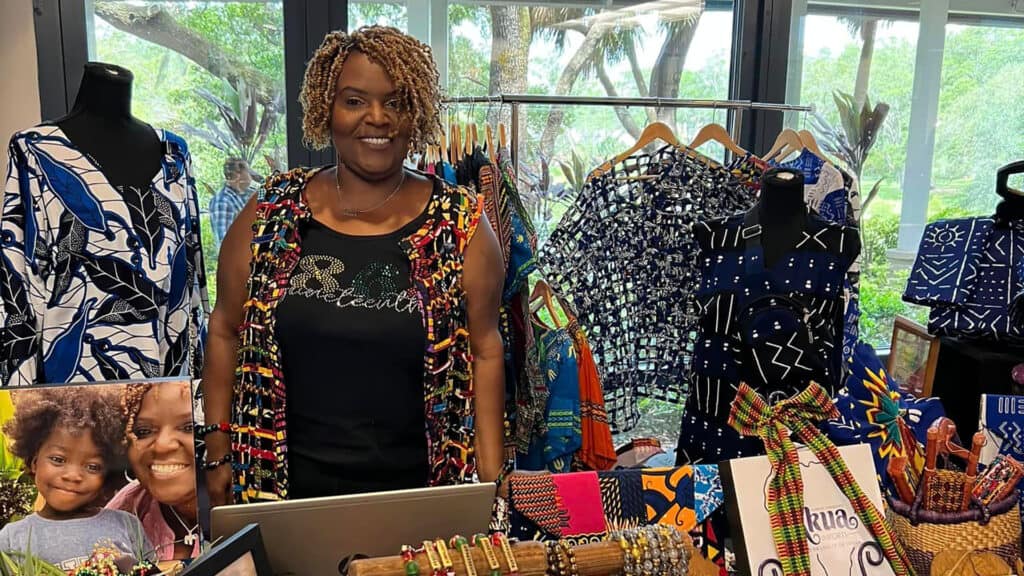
x=913, y=356
x=240, y=555
x=135, y=493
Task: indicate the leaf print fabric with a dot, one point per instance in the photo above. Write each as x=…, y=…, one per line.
x=98, y=282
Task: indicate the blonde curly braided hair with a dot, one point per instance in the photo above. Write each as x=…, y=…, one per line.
x=407, y=61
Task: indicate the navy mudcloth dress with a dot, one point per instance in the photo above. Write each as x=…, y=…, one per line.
x=737, y=292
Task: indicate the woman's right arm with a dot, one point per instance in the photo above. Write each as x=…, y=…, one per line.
x=222, y=346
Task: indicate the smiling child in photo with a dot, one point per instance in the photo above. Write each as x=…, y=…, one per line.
x=70, y=439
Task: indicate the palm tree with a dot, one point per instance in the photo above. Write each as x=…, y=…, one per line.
x=867, y=29
x=244, y=127
x=853, y=142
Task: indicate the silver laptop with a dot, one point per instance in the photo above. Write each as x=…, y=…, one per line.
x=321, y=536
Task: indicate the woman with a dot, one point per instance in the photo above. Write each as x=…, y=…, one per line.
x=161, y=453
x=350, y=297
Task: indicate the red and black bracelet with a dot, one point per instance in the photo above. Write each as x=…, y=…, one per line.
x=214, y=464
x=204, y=431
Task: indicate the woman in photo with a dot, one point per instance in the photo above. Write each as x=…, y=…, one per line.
x=161, y=455
x=354, y=346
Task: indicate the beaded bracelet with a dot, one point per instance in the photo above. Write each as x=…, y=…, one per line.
x=484, y=544
x=204, y=431
x=462, y=545
x=647, y=565
x=628, y=564
x=214, y=464
x=446, y=560
x=570, y=555
x=435, y=563
x=553, y=560
x=501, y=541
x=409, y=558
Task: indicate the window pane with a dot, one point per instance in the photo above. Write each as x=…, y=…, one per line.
x=679, y=50
x=979, y=126
x=981, y=121
x=844, y=55
x=212, y=72
x=381, y=13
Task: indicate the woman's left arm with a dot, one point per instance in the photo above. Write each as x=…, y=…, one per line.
x=483, y=279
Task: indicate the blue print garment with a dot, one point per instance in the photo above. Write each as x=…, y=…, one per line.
x=735, y=284
x=873, y=411
x=835, y=196
x=555, y=450
x=968, y=271
x=98, y=282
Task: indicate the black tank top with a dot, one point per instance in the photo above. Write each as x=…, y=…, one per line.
x=352, y=344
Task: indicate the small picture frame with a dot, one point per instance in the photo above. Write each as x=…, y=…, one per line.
x=913, y=355
x=240, y=555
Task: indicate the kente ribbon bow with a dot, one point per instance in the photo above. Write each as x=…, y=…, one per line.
x=752, y=416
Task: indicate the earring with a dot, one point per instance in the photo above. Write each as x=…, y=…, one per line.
x=128, y=476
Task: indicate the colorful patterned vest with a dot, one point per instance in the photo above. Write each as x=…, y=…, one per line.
x=436, y=252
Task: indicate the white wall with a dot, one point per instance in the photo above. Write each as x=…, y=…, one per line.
x=19, y=88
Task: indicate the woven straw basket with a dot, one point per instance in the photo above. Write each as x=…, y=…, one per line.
x=925, y=534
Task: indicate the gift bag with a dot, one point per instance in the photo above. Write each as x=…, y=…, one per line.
x=796, y=520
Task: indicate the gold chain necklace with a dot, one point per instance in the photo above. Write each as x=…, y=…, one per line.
x=353, y=213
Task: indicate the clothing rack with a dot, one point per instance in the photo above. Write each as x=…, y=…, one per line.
x=515, y=101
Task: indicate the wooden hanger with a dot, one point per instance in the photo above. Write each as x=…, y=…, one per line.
x=542, y=296
x=491, y=152
x=456, y=143
x=812, y=144
x=717, y=133
x=502, y=142
x=653, y=131
x=474, y=139
x=788, y=140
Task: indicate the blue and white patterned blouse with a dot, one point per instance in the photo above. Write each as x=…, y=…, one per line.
x=98, y=282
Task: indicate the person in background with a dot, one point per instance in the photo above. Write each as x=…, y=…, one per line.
x=71, y=440
x=228, y=203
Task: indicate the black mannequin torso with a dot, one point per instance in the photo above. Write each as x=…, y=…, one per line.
x=782, y=212
x=101, y=125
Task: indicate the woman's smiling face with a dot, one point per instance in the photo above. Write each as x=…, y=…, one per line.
x=161, y=450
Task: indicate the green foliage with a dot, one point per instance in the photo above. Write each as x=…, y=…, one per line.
x=245, y=123
x=575, y=171
x=26, y=564
x=383, y=13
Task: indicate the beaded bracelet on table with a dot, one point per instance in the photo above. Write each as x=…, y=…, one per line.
x=446, y=559
x=409, y=561
x=570, y=556
x=436, y=569
x=484, y=544
x=553, y=560
x=500, y=540
x=462, y=545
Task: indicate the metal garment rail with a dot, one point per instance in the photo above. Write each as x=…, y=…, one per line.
x=735, y=107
